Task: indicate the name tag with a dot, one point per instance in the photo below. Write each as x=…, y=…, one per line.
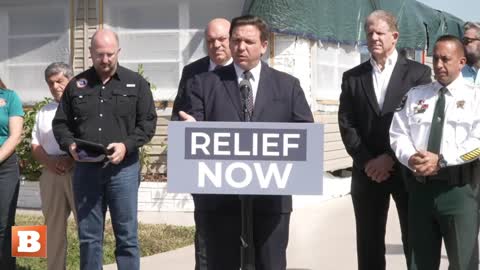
x=130, y=85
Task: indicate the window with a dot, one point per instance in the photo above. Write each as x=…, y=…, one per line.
x=331, y=60
x=164, y=36
x=36, y=33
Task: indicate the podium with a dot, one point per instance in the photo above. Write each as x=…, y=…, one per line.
x=245, y=158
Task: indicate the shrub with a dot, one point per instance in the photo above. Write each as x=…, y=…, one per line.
x=144, y=151
x=29, y=167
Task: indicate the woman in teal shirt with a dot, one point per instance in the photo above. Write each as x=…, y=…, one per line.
x=11, y=123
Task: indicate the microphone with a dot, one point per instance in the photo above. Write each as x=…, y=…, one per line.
x=247, y=252
x=245, y=91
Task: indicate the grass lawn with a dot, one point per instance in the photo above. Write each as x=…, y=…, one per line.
x=153, y=239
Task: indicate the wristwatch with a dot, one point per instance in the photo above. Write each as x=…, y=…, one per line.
x=442, y=163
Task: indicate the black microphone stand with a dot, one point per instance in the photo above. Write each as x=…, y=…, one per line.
x=247, y=249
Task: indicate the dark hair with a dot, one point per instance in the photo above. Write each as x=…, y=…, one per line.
x=453, y=39
x=251, y=20
x=2, y=85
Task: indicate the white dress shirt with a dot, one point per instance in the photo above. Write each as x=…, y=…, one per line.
x=381, y=78
x=212, y=65
x=254, y=80
x=42, y=133
x=410, y=127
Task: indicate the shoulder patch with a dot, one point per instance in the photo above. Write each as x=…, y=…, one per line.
x=471, y=155
x=402, y=104
x=81, y=83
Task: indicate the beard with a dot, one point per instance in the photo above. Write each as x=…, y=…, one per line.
x=472, y=58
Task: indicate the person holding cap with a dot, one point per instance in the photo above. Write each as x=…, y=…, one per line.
x=112, y=106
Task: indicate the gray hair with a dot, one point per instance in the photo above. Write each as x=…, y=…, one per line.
x=382, y=15
x=58, y=68
x=472, y=25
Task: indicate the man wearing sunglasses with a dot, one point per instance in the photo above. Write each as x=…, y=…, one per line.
x=471, y=42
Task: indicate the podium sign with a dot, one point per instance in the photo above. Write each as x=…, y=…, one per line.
x=245, y=158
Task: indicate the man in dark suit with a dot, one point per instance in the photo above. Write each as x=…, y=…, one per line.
x=217, y=43
x=370, y=94
x=276, y=97
x=216, y=39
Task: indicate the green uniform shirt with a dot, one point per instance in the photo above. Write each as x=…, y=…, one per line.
x=10, y=105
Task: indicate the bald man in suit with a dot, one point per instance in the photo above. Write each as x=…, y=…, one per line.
x=216, y=39
x=217, y=43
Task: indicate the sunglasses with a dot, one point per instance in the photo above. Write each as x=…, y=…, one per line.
x=467, y=40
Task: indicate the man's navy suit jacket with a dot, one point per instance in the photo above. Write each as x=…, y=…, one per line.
x=215, y=96
x=190, y=70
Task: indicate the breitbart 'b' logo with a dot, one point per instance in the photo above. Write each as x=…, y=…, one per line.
x=29, y=241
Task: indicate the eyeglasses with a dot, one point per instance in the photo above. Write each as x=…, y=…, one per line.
x=467, y=40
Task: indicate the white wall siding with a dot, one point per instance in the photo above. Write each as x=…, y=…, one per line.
x=164, y=35
x=34, y=34
x=293, y=55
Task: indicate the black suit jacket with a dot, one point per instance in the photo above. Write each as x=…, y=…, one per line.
x=190, y=70
x=215, y=96
x=181, y=104
x=363, y=126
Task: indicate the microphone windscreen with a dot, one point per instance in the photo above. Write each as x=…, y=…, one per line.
x=244, y=88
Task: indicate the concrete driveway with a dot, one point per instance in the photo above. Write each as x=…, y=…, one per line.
x=322, y=237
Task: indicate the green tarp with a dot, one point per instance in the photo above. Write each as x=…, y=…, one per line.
x=342, y=20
